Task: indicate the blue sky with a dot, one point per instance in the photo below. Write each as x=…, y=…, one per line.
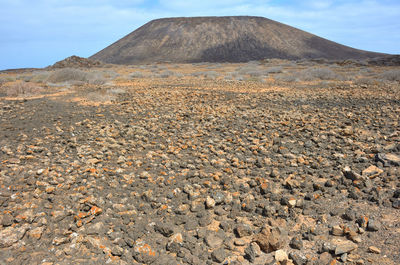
x=37, y=33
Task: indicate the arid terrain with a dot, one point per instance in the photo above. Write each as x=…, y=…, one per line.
x=271, y=162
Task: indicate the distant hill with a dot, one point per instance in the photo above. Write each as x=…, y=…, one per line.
x=75, y=62
x=222, y=39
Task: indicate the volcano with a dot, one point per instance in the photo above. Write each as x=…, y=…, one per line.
x=222, y=39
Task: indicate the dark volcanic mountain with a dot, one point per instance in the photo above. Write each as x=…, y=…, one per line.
x=221, y=39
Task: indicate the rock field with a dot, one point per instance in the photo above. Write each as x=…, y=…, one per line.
x=202, y=172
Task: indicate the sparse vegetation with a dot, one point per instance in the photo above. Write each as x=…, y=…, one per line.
x=136, y=75
x=312, y=74
x=166, y=74
x=253, y=69
x=21, y=88
x=287, y=77
x=390, y=75
x=207, y=74
x=40, y=76
x=211, y=75
x=197, y=74
x=274, y=70
x=365, y=81
x=5, y=79
x=70, y=75
x=116, y=91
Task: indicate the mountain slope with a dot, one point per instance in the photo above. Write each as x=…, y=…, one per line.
x=221, y=39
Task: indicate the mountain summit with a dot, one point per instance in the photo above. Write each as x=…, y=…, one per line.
x=221, y=39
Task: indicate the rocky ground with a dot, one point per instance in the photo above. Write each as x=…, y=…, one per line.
x=202, y=172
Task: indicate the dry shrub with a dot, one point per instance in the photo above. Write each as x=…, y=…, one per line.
x=98, y=78
x=257, y=70
x=116, y=91
x=229, y=77
x=21, y=88
x=166, y=74
x=365, y=81
x=76, y=75
x=390, y=75
x=101, y=96
x=254, y=73
x=5, y=79
x=67, y=75
x=206, y=74
x=40, y=76
x=311, y=74
x=287, y=77
x=197, y=74
x=274, y=70
x=211, y=74
x=136, y=74
x=2, y=80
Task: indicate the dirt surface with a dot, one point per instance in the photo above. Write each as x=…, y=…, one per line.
x=201, y=171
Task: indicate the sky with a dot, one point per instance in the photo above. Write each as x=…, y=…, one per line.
x=37, y=33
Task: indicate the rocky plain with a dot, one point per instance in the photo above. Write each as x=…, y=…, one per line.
x=273, y=162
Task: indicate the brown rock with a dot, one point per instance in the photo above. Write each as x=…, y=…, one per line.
x=325, y=258
x=50, y=189
x=212, y=240
x=281, y=255
x=14, y=161
x=36, y=233
x=239, y=242
x=337, y=230
x=372, y=172
x=143, y=252
x=350, y=174
x=26, y=216
x=271, y=238
x=6, y=219
x=60, y=240
x=347, y=131
x=243, y=230
x=374, y=249
x=12, y=235
x=392, y=158
x=95, y=210
x=210, y=202
x=345, y=247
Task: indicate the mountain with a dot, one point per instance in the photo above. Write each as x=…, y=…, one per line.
x=222, y=39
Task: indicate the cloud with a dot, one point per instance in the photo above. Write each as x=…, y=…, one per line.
x=61, y=27
x=195, y=6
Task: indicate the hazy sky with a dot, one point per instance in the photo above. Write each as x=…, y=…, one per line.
x=37, y=33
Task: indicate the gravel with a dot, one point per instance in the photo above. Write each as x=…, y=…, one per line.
x=202, y=172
